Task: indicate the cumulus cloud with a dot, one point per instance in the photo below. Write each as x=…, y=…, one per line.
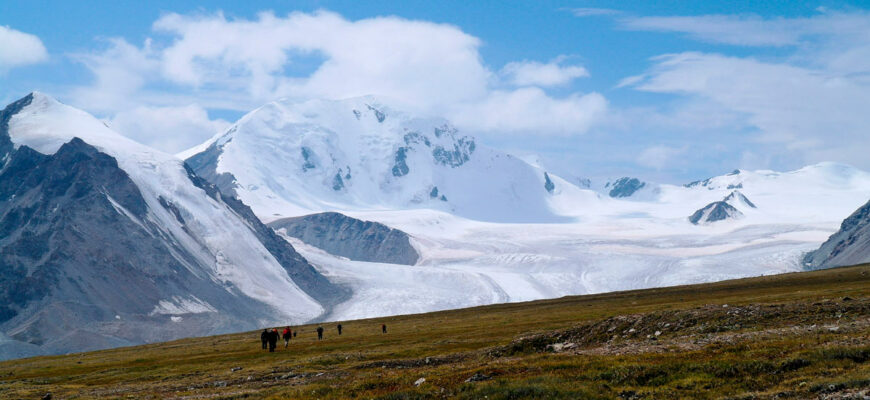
x=533, y=73
x=217, y=62
x=417, y=61
x=167, y=128
x=18, y=49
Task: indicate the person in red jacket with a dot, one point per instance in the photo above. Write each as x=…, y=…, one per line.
x=287, y=334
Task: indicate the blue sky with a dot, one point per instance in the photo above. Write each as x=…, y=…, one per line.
x=668, y=91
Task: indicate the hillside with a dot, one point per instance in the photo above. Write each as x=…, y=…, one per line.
x=794, y=335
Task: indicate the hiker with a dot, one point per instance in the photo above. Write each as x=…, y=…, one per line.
x=287, y=336
x=384, y=328
x=339, y=329
x=264, y=337
x=319, y=333
x=294, y=333
x=273, y=340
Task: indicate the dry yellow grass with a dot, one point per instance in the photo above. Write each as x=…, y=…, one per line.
x=792, y=336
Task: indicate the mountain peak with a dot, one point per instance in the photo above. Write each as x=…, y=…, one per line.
x=290, y=158
x=737, y=197
x=41, y=97
x=713, y=212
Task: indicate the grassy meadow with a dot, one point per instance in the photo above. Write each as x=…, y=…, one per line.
x=798, y=335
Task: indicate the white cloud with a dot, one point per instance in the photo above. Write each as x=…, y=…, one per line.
x=120, y=72
x=728, y=29
x=659, y=156
x=167, y=128
x=530, y=110
x=593, y=12
x=417, y=61
x=533, y=73
x=753, y=30
x=806, y=111
x=19, y=49
x=788, y=103
x=216, y=62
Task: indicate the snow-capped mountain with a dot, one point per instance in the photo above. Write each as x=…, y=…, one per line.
x=821, y=192
x=290, y=159
x=612, y=244
x=715, y=211
x=725, y=209
x=736, y=198
x=107, y=242
x=494, y=228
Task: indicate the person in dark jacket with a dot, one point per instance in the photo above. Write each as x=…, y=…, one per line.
x=264, y=337
x=273, y=339
x=384, y=328
x=339, y=329
x=319, y=333
x=286, y=335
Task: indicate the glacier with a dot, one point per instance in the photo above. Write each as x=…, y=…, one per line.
x=507, y=229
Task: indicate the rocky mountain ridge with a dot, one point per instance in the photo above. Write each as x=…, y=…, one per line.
x=106, y=242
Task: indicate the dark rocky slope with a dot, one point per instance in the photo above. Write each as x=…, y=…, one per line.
x=848, y=246
x=85, y=265
x=352, y=238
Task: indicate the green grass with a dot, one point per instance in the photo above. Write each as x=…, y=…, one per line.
x=787, y=336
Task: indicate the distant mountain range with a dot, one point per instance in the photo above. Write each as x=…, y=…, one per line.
x=371, y=210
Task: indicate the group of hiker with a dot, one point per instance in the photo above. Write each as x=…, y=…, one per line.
x=269, y=338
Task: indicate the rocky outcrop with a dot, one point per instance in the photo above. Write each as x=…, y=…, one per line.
x=848, y=246
x=400, y=167
x=548, y=183
x=205, y=165
x=349, y=237
x=624, y=187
